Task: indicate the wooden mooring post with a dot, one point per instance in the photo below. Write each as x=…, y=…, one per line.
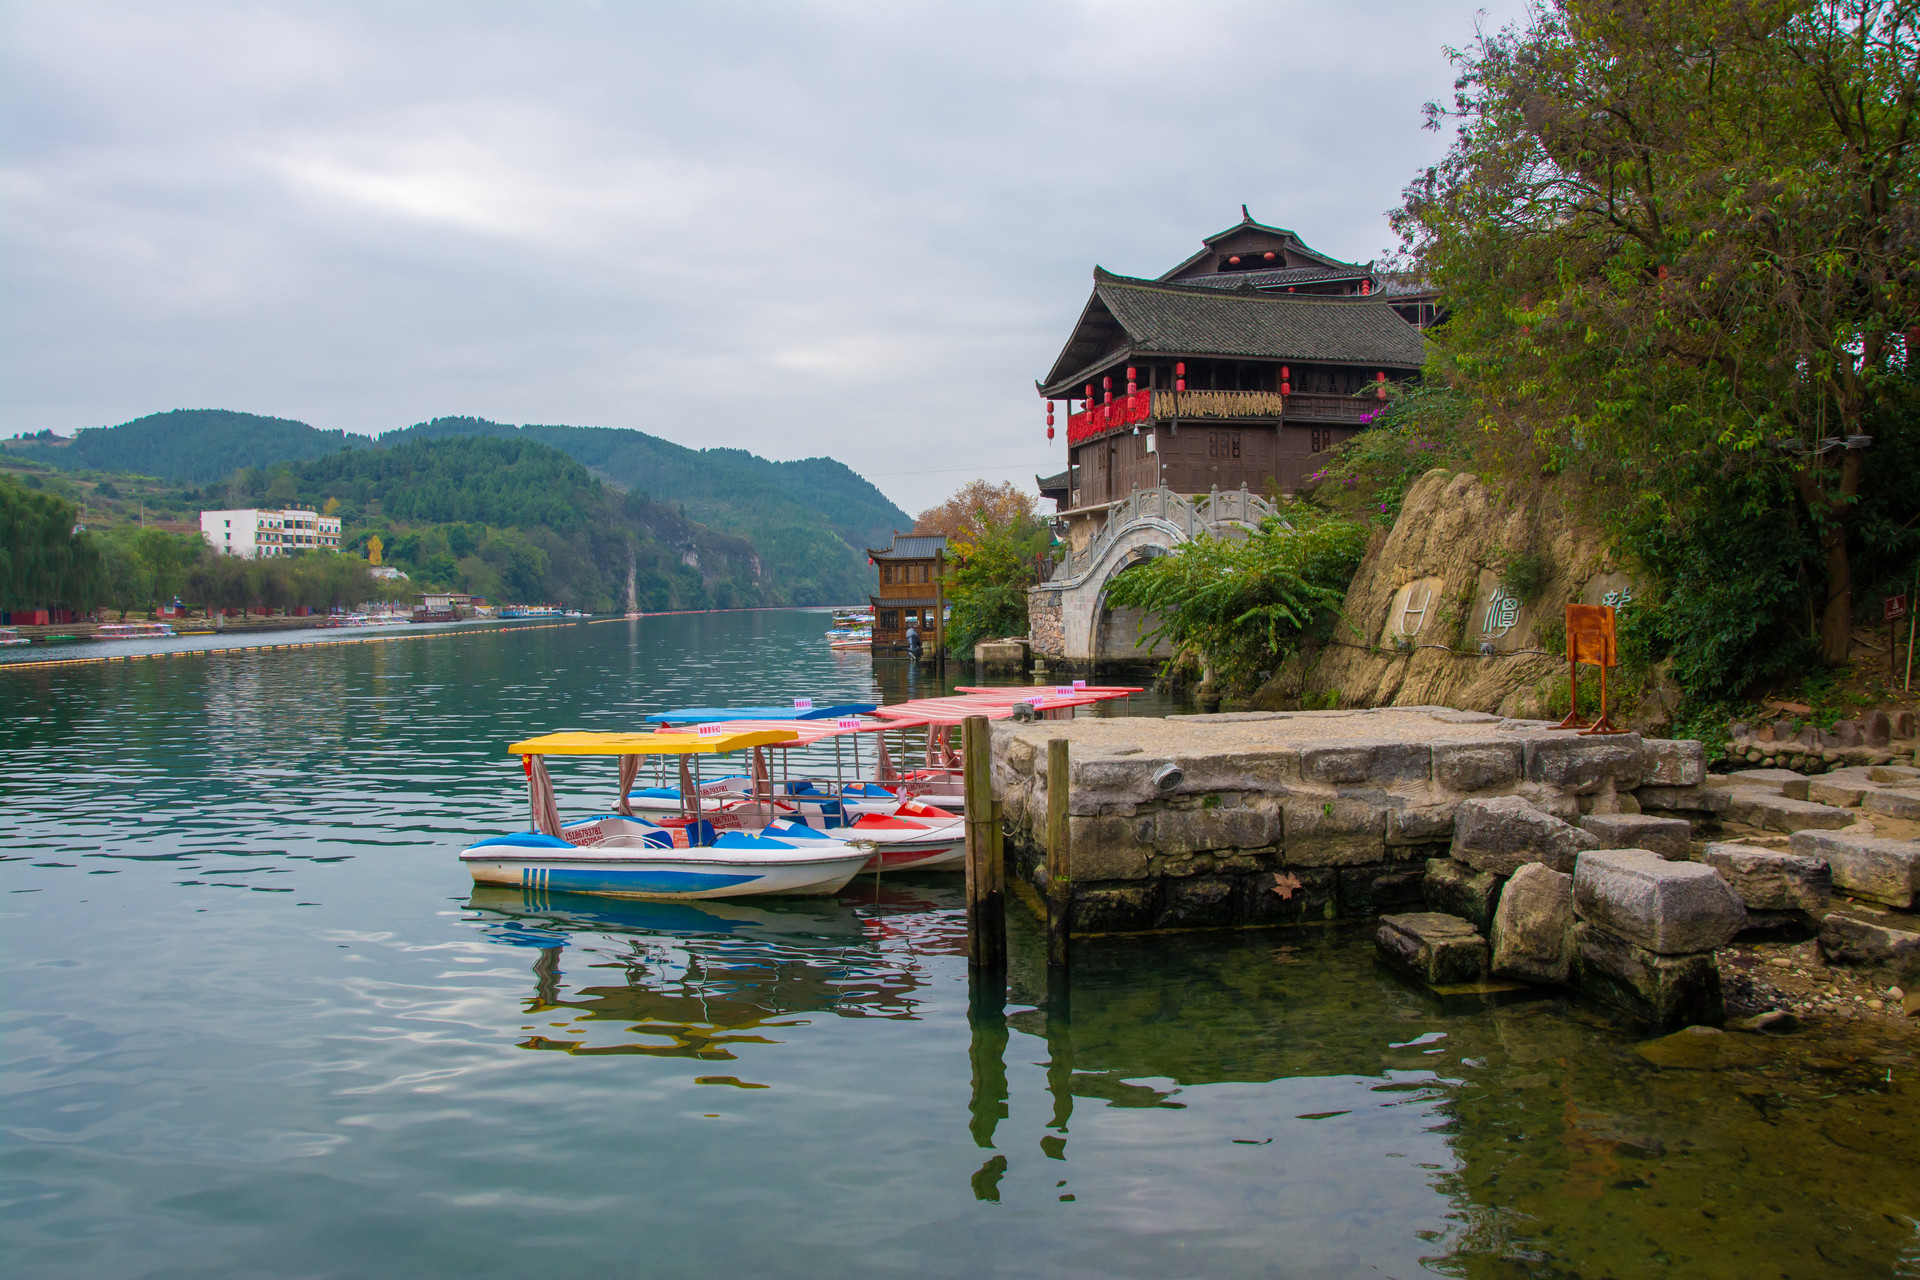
x=1059, y=857
x=986, y=860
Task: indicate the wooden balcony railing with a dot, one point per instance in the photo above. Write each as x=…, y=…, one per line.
x=1217, y=406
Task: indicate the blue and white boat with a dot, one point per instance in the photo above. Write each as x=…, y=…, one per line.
x=621, y=855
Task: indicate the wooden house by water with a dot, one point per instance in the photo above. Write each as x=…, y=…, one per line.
x=1242, y=365
x=910, y=592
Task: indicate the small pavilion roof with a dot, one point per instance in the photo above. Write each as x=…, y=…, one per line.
x=911, y=546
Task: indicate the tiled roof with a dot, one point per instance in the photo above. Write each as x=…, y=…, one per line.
x=1128, y=317
x=911, y=546
x=1064, y=480
x=1277, y=277
x=897, y=602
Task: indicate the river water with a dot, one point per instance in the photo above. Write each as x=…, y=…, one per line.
x=258, y=1023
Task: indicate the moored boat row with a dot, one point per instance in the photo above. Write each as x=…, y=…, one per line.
x=762, y=830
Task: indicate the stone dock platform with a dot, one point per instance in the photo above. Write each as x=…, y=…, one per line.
x=1278, y=817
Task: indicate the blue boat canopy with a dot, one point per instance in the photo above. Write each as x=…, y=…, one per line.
x=710, y=715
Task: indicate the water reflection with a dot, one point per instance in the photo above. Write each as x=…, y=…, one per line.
x=700, y=979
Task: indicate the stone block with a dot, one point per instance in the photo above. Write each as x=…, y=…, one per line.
x=1876, y=729
x=1673, y=762
x=1505, y=833
x=1890, y=802
x=1665, y=990
x=1420, y=824
x=1196, y=902
x=1259, y=772
x=1868, y=944
x=1373, y=763
x=1532, y=937
x=1701, y=799
x=1774, y=780
x=1432, y=948
x=1111, y=848
x=1341, y=831
x=1453, y=888
x=1893, y=774
x=1772, y=879
x=1668, y=837
x=1001, y=655
x=1102, y=782
x=1296, y=895
x=1669, y=908
x=1477, y=765
x=1878, y=868
x=1227, y=826
x=1905, y=724
x=1779, y=813
x=1114, y=908
x=1842, y=792
x=1569, y=762
x=1367, y=891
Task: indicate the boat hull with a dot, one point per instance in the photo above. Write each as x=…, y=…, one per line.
x=667, y=877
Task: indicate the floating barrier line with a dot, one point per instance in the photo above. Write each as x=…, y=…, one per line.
x=45, y=664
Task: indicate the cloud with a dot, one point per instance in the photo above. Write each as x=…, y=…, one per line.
x=856, y=229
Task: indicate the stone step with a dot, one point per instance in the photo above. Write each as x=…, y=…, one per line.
x=1772, y=879
x=1877, y=868
x=1669, y=908
x=1432, y=948
x=1891, y=952
x=1761, y=808
x=1668, y=837
x=1780, y=782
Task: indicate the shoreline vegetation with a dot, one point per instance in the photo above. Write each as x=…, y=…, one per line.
x=455, y=504
x=1679, y=252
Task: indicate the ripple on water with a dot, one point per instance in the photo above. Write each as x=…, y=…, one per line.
x=383, y=1070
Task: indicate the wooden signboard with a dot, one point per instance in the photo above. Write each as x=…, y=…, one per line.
x=1590, y=640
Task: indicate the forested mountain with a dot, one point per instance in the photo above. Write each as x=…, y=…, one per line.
x=195, y=445
x=514, y=519
x=809, y=520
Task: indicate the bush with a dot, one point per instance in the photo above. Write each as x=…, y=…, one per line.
x=1240, y=605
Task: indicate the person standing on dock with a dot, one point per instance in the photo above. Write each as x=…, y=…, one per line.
x=913, y=642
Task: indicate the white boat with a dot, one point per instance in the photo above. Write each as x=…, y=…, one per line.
x=132, y=631
x=621, y=855
x=8, y=636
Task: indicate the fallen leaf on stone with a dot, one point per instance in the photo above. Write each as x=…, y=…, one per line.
x=1286, y=885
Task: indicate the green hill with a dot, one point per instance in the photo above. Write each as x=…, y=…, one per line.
x=517, y=520
x=810, y=521
x=195, y=445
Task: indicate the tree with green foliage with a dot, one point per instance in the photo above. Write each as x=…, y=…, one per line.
x=1680, y=246
x=1239, y=605
x=45, y=560
x=990, y=564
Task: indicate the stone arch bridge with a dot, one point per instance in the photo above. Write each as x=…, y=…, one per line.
x=1071, y=621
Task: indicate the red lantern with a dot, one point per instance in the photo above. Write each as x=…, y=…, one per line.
x=1286, y=386
x=1180, y=369
x=1089, y=396
x=1106, y=384
x=1269, y=255
x=1381, y=379
x=1234, y=261
x=1366, y=287
x=1049, y=429
x=1132, y=385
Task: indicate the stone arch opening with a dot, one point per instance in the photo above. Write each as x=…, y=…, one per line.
x=1117, y=631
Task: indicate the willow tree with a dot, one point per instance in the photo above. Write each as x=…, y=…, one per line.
x=1680, y=241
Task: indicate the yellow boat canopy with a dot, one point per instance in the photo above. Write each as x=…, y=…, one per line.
x=581, y=743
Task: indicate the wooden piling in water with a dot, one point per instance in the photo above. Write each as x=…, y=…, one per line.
x=1059, y=857
x=986, y=861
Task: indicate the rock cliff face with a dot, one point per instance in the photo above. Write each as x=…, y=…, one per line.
x=1436, y=616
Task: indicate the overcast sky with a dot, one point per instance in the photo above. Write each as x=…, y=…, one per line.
x=853, y=229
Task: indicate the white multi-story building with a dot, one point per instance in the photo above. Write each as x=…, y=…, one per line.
x=252, y=532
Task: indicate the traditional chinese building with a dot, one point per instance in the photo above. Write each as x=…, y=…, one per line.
x=1242, y=365
x=910, y=592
